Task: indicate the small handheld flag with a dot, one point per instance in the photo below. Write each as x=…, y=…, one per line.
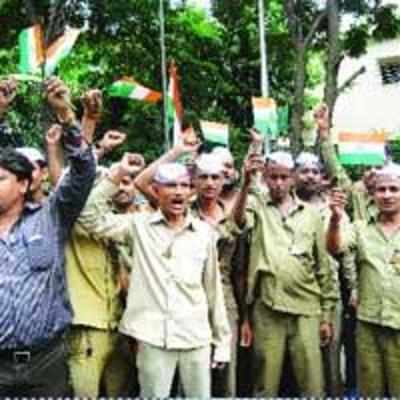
x=362, y=148
x=130, y=89
x=215, y=132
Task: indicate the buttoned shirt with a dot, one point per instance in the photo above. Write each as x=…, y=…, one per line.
x=175, y=298
x=92, y=281
x=378, y=273
x=289, y=266
x=34, y=305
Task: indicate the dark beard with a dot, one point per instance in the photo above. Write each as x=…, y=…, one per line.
x=229, y=186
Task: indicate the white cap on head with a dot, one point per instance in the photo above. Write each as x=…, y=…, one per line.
x=391, y=171
x=170, y=173
x=224, y=154
x=281, y=158
x=307, y=159
x=32, y=154
x=210, y=164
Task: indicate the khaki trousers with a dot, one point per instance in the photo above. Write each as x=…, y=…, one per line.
x=157, y=366
x=95, y=360
x=274, y=334
x=378, y=360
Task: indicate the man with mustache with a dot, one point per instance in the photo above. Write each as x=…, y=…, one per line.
x=376, y=245
x=175, y=307
x=291, y=295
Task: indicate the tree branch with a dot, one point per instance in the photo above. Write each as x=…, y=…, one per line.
x=315, y=25
x=351, y=79
x=291, y=18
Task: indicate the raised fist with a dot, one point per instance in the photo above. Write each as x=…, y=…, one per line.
x=321, y=118
x=111, y=140
x=92, y=102
x=54, y=135
x=58, y=97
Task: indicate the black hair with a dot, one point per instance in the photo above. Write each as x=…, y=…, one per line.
x=190, y=119
x=16, y=163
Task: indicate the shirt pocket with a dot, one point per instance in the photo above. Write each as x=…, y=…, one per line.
x=39, y=252
x=192, y=262
x=303, y=247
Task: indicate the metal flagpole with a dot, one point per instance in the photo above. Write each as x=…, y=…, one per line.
x=263, y=50
x=164, y=75
x=264, y=61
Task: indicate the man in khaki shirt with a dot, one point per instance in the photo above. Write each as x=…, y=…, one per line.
x=309, y=190
x=175, y=307
x=376, y=243
x=290, y=283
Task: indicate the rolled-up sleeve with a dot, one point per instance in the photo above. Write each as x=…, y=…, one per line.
x=99, y=221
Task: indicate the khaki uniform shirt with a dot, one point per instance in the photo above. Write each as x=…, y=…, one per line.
x=378, y=278
x=227, y=233
x=92, y=282
x=289, y=265
x=362, y=205
x=175, y=300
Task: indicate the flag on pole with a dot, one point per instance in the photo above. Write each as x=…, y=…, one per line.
x=60, y=49
x=31, y=45
x=130, y=89
x=265, y=116
x=283, y=119
x=175, y=108
x=215, y=132
x=33, y=52
x=362, y=148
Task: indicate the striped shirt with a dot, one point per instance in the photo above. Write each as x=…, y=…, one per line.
x=34, y=305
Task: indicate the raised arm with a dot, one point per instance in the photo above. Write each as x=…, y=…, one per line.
x=55, y=155
x=252, y=165
x=334, y=239
x=8, y=91
x=328, y=153
x=70, y=196
x=111, y=140
x=144, y=180
x=97, y=218
x=92, y=102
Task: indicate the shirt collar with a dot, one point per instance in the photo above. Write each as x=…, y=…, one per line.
x=297, y=203
x=190, y=222
x=196, y=209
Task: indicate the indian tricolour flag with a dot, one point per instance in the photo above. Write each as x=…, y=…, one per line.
x=175, y=108
x=130, y=89
x=60, y=48
x=362, y=148
x=33, y=53
x=31, y=50
x=215, y=132
x=265, y=116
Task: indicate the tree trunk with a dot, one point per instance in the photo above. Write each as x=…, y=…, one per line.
x=298, y=100
x=334, y=55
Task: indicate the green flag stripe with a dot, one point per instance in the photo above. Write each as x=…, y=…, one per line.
x=121, y=89
x=362, y=159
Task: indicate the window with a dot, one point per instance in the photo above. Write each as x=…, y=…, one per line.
x=390, y=71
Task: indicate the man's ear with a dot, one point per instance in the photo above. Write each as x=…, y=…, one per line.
x=156, y=188
x=24, y=186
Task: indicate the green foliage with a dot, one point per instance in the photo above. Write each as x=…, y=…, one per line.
x=218, y=60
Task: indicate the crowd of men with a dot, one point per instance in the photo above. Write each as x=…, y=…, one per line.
x=189, y=276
